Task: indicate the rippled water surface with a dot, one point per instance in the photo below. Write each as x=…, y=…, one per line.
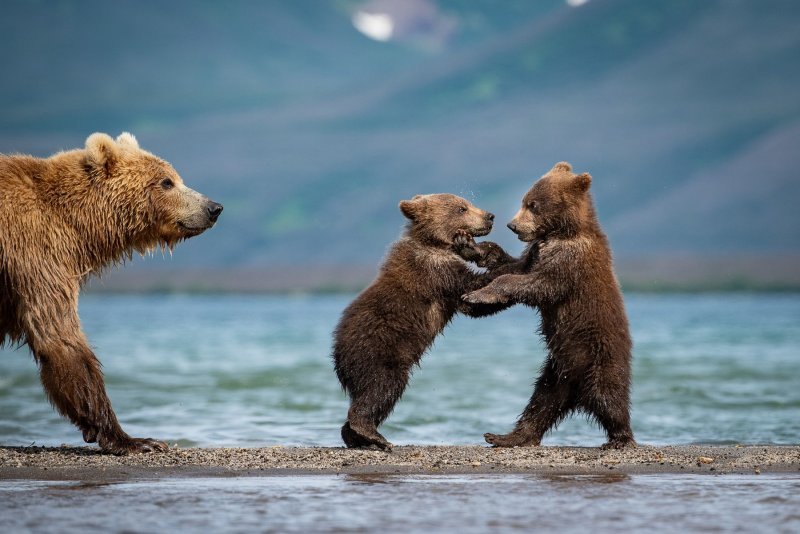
x=477, y=503
x=249, y=371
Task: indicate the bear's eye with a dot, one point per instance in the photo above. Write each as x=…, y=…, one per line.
x=534, y=206
x=167, y=183
x=462, y=209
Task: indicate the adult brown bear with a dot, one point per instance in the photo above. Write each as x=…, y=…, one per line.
x=62, y=219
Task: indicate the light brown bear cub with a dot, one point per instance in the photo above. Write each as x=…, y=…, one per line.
x=569, y=277
x=389, y=326
x=62, y=219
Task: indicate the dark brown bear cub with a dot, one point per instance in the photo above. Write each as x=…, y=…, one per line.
x=572, y=282
x=389, y=326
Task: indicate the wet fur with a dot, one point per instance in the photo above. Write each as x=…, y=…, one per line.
x=567, y=274
x=62, y=219
x=386, y=330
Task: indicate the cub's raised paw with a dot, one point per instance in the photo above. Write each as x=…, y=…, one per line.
x=482, y=296
x=464, y=245
x=463, y=239
x=491, y=255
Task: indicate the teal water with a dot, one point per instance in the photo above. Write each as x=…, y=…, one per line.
x=358, y=503
x=250, y=371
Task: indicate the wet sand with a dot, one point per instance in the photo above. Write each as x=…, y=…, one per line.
x=88, y=463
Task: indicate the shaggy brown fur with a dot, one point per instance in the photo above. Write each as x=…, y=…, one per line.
x=567, y=273
x=62, y=219
x=389, y=326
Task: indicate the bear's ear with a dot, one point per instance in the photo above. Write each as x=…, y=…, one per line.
x=410, y=208
x=127, y=140
x=103, y=151
x=583, y=181
x=562, y=166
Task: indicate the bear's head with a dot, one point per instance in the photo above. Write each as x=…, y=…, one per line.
x=437, y=218
x=559, y=203
x=147, y=198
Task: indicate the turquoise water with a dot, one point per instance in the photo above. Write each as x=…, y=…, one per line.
x=250, y=371
x=358, y=503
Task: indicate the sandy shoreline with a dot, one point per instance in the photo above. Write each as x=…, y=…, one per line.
x=87, y=463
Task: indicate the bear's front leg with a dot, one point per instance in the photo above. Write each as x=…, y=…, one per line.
x=500, y=291
x=464, y=245
x=485, y=295
x=72, y=379
x=74, y=384
x=492, y=255
x=505, y=289
x=486, y=254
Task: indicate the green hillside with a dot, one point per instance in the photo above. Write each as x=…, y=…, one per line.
x=686, y=113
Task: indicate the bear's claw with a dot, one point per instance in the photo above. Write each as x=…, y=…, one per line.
x=619, y=443
x=482, y=297
x=464, y=245
x=90, y=435
x=354, y=439
x=510, y=440
x=463, y=239
x=129, y=445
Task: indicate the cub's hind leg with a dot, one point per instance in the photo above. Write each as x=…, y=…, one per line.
x=552, y=400
x=371, y=404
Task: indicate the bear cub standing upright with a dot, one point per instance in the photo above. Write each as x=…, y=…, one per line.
x=572, y=283
x=62, y=219
x=385, y=331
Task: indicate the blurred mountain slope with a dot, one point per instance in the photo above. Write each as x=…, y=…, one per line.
x=310, y=133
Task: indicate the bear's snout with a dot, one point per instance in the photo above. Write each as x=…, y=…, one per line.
x=512, y=226
x=489, y=216
x=214, y=210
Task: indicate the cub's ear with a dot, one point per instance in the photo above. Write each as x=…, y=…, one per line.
x=410, y=208
x=103, y=151
x=127, y=140
x=562, y=166
x=583, y=181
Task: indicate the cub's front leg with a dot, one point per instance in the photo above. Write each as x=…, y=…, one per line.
x=505, y=289
x=493, y=256
x=486, y=254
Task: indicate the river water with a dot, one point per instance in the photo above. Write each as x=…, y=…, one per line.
x=252, y=371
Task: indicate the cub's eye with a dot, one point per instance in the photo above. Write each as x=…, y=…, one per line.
x=462, y=209
x=167, y=183
x=534, y=206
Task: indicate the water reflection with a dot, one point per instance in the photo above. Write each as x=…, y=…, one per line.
x=367, y=478
x=610, y=478
x=464, y=503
